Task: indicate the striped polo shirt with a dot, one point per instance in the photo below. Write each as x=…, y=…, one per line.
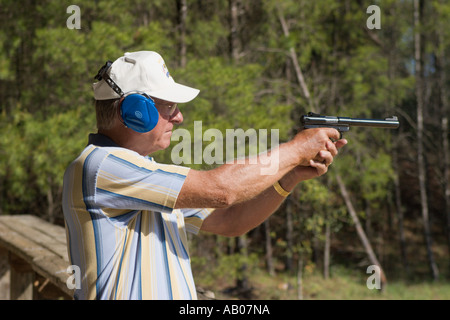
x=122, y=230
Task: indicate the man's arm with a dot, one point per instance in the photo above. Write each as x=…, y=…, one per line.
x=234, y=183
x=241, y=218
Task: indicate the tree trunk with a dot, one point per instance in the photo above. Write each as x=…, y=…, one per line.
x=293, y=55
x=368, y=220
x=269, y=256
x=289, y=235
x=418, y=57
x=445, y=110
x=50, y=202
x=359, y=229
x=300, y=278
x=243, y=287
x=234, y=27
x=182, y=15
x=446, y=147
x=326, y=252
x=399, y=210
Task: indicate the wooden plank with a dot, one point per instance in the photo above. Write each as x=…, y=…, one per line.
x=19, y=245
x=54, y=269
x=39, y=231
x=47, y=263
x=54, y=231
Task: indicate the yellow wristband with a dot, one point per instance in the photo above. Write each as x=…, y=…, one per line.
x=278, y=188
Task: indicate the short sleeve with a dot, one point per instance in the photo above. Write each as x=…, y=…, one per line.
x=127, y=180
x=193, y=218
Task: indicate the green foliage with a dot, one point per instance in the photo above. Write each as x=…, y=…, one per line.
x=46, y=108
x=377, y=175
x=225, y=268
x=35, y=154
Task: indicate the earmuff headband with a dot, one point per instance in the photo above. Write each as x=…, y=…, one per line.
x=103, y=74
x=138, y=110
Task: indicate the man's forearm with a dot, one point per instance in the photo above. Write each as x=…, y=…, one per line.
x=231, y=184
x=243, y=217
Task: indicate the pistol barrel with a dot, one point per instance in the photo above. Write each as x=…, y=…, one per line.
x=317, y=120
x=387, y=123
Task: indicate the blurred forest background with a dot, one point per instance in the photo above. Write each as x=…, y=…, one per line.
x=259, y=64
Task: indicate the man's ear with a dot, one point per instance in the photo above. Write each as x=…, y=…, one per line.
x=119, y=106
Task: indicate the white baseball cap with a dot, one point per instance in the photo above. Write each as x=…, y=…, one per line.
x=143, y=72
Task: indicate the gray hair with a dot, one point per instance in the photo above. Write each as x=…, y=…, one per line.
x=106, y=112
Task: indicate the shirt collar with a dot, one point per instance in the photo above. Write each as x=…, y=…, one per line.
x=101, y=140
x=98, y=139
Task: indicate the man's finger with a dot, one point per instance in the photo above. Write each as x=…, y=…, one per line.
x=324, y=157
x=333, y=134
x=340, y=143
x=331, y=147
x=320, y=167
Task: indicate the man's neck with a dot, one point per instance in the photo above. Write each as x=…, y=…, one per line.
x=126, y=138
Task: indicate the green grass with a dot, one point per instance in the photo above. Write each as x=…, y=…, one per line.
x=343, y=284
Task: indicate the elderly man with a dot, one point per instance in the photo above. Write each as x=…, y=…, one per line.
x=127, y=215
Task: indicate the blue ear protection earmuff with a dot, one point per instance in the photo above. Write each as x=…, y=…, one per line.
x=139, y=113
x=138, y=110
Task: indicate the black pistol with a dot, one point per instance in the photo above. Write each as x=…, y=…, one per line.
x=343, y=124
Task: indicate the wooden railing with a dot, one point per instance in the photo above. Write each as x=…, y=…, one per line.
x=33, y=259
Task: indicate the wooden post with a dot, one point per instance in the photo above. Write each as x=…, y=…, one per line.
x=4, y=274
x=22, y=277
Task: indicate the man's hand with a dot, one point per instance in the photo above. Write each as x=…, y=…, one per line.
x=309, y=143
x=320, y=164
x=317, y=166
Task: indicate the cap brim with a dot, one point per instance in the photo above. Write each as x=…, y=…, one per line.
x=177, y=93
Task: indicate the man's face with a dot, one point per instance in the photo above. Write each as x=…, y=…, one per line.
x=169, y=115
